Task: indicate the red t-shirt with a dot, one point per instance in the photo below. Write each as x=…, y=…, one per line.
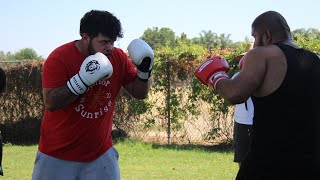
x=81, y=131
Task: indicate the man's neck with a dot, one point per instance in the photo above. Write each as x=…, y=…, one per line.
x=80, y=47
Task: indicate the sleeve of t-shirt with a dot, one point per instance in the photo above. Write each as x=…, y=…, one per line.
x=54, y=72
x=130, y=70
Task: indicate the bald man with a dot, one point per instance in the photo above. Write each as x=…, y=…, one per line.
x=283, y=82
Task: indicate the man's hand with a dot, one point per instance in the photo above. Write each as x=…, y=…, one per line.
x=93, y=68
x=142, y=56
x=212, y=70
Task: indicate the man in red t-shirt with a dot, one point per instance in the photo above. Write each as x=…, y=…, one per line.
x=81, y=80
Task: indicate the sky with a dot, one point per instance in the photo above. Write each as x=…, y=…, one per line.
x=44, y=25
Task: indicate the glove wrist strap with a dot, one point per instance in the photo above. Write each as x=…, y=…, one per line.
x=144, y=76
x=215, y=78
x=76, y=85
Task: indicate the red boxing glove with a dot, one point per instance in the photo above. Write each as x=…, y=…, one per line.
x=212, y=70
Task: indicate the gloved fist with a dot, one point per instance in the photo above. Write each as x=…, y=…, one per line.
x=93, y=68
x=142, y=56
x=212, y=70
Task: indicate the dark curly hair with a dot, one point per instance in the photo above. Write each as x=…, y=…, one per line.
x=96, y=21
x=3, y=80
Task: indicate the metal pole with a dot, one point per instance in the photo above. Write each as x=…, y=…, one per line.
x=168, y=99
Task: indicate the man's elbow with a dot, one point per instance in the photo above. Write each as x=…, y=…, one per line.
x=50, y=106
x=235, y=98
x=141, y=96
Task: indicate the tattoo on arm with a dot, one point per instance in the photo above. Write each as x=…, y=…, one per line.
x=58, y=98
x=138, y=89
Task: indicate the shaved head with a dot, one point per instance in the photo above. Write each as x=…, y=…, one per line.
x=273, y=22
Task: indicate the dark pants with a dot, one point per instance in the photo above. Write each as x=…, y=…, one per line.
x=241, y=141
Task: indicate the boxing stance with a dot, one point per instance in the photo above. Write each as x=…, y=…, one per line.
x=283, y=81
x=81, y=80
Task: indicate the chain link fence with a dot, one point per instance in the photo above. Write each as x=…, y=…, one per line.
x=167, y=116
x=173, y=117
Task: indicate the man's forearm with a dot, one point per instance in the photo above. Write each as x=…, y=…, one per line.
x=139, y=89
x=58, y=98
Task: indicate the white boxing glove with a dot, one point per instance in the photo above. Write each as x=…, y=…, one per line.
x=93, y=68
x=142, y=56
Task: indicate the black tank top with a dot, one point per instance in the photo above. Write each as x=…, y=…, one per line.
x=286, y=125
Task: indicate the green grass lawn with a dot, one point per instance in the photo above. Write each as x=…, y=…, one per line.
x=140, y=160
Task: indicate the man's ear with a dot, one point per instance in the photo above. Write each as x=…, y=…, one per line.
x=268, y=37
x=85, y=38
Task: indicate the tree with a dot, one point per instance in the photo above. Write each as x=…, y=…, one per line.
x=212, y=40
x=158, y=38
x=23, y=54
x=311, y=33
x=225, y=41
x=183, y=37
x=6, y=56
x=307, y=38
x=26, y=53
x=207, y=38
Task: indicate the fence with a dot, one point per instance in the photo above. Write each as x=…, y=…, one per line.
x=166, y=116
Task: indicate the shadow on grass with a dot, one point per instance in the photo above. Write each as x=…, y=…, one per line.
x=24, y=132
x=221, y=147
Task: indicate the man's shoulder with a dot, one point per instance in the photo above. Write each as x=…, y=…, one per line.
x=119, y=54
x=65, y=49
x=267, y=51
x=118, y=51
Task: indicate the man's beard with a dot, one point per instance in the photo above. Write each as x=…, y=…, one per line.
x=90, y=48
x=261, y=41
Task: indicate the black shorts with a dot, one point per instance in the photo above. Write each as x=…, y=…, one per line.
x=241, y=141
